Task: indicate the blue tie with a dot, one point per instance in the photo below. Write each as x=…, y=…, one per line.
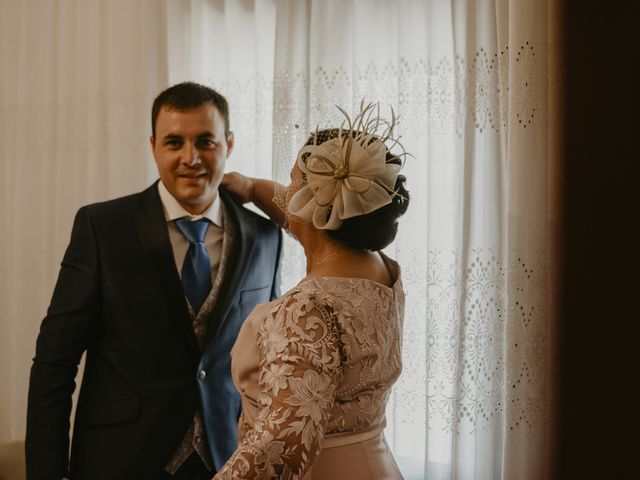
x=196, y=269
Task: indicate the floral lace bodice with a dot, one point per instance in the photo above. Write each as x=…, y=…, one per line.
x=319, y=361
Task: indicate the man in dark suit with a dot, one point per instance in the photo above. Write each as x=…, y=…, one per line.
x=154, y=287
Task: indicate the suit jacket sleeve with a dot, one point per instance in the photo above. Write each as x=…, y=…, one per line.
x=65, y=334
x=275, y=286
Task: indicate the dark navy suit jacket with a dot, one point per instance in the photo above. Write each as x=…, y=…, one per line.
x=119, y=298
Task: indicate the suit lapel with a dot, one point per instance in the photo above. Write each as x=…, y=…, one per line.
x=238, y=262
x=151, y=225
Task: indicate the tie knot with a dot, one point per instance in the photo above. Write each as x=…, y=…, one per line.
x=194, y=231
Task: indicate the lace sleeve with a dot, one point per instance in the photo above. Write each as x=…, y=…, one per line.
x=299, y=374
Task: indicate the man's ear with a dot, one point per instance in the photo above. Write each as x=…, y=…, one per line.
x=230, y=142
x=152, y=141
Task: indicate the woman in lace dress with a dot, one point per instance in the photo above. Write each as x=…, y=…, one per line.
x=315, y=367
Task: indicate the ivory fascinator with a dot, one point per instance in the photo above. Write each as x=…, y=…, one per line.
x=349, y=174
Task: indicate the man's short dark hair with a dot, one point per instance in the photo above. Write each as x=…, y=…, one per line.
x=188, y=95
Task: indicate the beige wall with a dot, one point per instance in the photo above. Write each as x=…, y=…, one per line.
x=11, y=461
x=76, y=86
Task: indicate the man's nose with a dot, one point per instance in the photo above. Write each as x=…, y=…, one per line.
x=191, y=155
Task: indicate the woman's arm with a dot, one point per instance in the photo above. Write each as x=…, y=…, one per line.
x=257, y=190
x=299, y=374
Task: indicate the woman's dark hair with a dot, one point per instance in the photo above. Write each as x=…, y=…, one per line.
x=375, y=230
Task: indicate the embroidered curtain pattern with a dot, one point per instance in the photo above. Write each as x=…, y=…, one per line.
x=471, y=85
x=472, y=82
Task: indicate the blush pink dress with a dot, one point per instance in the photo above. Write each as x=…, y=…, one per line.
x=315, y=368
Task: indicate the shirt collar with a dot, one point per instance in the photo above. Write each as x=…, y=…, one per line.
x=173, y=210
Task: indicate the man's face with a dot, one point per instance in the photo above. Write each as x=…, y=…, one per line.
x=190, y=149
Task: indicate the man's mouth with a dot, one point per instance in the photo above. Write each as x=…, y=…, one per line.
x=192, y=176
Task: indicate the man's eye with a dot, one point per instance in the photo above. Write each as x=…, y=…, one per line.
x=173, y=143
x=206, y=143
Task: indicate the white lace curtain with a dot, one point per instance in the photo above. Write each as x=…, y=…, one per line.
x=474, y=84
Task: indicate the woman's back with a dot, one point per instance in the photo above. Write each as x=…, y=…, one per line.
x=315, y=370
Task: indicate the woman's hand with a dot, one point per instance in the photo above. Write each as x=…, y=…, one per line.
x=260, y=191
x=238, y=185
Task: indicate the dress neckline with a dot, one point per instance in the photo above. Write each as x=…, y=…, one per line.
x=368, y=280
x=392, y=266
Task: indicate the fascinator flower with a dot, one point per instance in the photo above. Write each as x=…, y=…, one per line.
x=348, y=175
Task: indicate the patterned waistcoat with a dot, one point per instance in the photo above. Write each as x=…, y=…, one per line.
x=194, y=439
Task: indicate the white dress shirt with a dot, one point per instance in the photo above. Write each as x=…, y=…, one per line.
x=213, y=239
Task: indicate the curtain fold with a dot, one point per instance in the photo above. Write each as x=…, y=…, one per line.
x=229, y=45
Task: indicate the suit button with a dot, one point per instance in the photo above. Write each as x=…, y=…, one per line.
x=202, y=374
